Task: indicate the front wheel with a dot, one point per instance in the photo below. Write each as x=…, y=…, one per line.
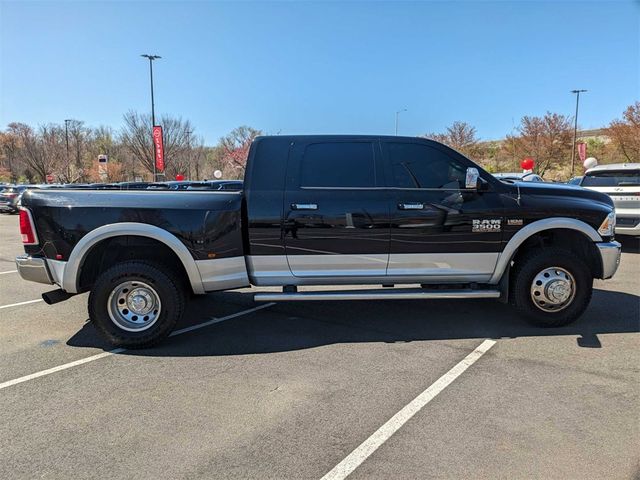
x=552, y=287
x=136, y=304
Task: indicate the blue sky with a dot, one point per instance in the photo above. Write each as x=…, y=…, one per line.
x=311, y=67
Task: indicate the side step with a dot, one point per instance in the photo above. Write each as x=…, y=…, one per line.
x=378, y=294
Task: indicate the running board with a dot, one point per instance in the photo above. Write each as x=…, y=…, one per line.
x=378, y=294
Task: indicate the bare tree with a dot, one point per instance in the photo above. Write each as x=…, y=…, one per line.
x=33, y=152
x=235, y=149
x=461, y=137
x=10, y=149
x=136, y=137
x=79, y=136
x=547, y=139
x=625, y=133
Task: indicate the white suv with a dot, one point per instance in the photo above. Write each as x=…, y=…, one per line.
x=621, y=181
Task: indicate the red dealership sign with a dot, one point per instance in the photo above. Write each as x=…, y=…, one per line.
x=158, y=148
x=582, y=151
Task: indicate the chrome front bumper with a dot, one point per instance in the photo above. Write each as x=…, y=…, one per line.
x=33, y=269
x=610, y=256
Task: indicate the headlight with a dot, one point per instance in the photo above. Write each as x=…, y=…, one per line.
x=608, y=226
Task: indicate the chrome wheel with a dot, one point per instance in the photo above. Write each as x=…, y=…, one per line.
x=134, y=306
x=553, y=289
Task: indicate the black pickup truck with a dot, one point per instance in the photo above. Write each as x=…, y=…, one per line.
x=323, y=210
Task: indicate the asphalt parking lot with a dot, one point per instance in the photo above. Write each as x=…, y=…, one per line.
x=300, y=390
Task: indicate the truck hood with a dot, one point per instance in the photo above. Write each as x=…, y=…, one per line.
x=561, y=190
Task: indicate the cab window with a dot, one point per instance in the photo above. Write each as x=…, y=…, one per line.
x=339, y=164
x=421, y=166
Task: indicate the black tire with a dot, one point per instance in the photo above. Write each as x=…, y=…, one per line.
x=170, y=293
x=530, y=266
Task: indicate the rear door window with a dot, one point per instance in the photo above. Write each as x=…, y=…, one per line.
x=338, y=164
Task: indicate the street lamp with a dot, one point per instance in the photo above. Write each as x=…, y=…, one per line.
x=153, y=112
x=575, y=129
x=398, y=113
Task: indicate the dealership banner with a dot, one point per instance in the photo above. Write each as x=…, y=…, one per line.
x=158, y=148
x=582, y=151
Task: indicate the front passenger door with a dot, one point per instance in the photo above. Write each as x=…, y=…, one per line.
x=440, y=230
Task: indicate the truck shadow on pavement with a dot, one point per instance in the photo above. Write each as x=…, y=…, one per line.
x=302, y=325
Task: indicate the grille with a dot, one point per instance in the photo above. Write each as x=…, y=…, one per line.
x=627, y=221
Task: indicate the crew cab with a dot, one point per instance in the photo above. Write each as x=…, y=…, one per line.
x=408, y=217
x=621, y=181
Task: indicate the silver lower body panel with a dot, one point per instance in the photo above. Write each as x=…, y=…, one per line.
x=223, y=273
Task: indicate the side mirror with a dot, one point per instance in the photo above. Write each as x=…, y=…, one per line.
x=471, y=180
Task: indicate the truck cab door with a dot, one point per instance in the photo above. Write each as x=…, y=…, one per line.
x=336, y=210
x=440, y=230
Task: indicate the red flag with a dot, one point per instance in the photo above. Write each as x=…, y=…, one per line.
x=159, y=148
x=582, y=151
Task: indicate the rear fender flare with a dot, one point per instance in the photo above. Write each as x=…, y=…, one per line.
x=83, y=247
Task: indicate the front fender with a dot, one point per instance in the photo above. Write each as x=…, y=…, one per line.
x=536, y=227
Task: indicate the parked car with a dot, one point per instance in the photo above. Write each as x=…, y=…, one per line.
x=129, y=185
x=234, y=185
x=10, y=197
x=519, y=177
x=574, y=180
x=323, y=210
x=199, y=185
x=621, y=181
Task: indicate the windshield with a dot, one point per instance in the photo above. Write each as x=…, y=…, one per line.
x=612, y=178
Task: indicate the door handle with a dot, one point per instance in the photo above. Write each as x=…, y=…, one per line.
x=411, y=206
x=304, y=206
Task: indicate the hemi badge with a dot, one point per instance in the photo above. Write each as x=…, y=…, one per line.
x=515, y=221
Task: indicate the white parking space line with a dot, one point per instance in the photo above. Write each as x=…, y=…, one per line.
x=82, y=361
x=20, y=303
x=213, y=321
x=9, y=271
x=59, y=368
x=380, y=436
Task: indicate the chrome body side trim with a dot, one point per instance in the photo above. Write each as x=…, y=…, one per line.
x=223, y=273
x=430, y=264
x=33, y=269
x=610, y=256
x=379, y=294
x=82, y=248
x=536, y=227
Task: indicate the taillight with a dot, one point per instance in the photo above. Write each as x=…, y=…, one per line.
x=27, y=229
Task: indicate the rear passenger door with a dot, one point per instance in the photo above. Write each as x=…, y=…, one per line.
x=336, y=211
x=440, y=230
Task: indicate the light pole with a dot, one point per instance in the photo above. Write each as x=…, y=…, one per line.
x=153, y=111
x=66, y=138
x=575, y=129
x=397, y=114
